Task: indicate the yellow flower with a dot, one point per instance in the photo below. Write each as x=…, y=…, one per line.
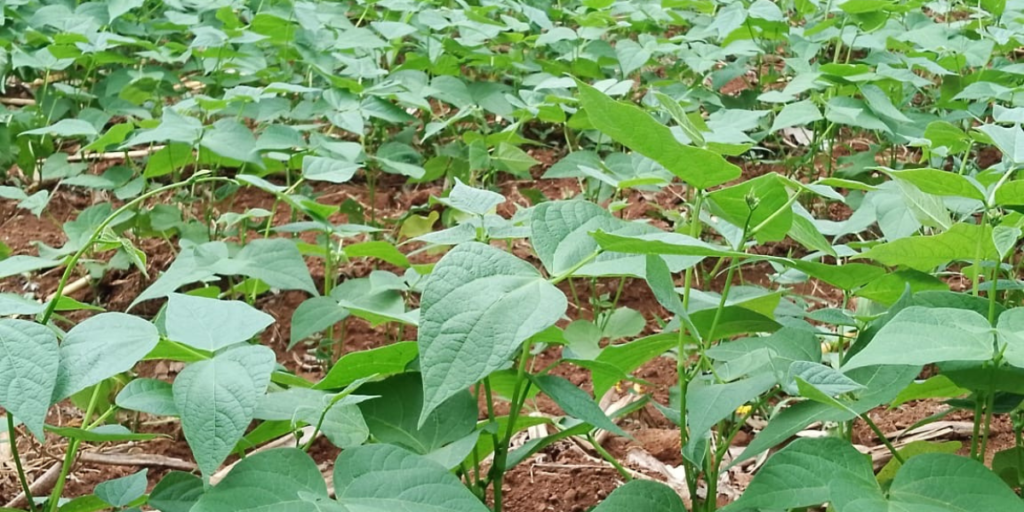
x=743, y=410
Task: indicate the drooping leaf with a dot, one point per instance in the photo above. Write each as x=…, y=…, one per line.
x=380, y=361
x=479, y=305
x=962, y=242
x=637, y=130
x=29, y=358
x=576, y=402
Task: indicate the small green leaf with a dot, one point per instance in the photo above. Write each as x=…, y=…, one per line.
x=101, y=434
x=150, y=396
x=211, y=324
x=314, y=315
x=472, y=200
x=176, y=492
x=119, y=492
x=381, y=361
x=66, y=128
x=576, y=402
x=315, y=168
x=29, y=359
x=796, y=114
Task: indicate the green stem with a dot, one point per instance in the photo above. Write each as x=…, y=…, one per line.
x=568, y=273
x=881, y=437
x=501, y=450
x=12, y=439
x=73, y=261
x=69, y=457
x=989, y=405
x=609, y=458
x=976, y=433
x=695, y=233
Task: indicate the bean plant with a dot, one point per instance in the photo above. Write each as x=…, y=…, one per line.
x=757, y=120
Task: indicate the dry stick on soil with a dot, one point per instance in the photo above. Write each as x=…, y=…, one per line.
x=114, y=155
x=40, y=487
x=72, y=287
x=18, y=102
x=130, y=459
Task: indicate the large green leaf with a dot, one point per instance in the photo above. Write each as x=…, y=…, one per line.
x=176, y=492
x=941, y=183
x=29, y=358
x=216, y=399
x=100, y=347
x=276, y=262
x=642, y=495
x=759, y=202
x=386, y=478
x=393, y=416
x=963, y=242
x=282, y=480
x=211, y=324
x=919, y=335
x=479, y=305
x=637, y=130
x=560, y=232
x=802, y=473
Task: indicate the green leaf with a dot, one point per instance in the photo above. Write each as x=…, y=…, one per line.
x=1005, y=239
x=381, y=361
x=513, y=159
x=22, y=264
x=385, y=478
x=472, y=200
x=100, y=347
x=479, y=305
x=282, y=480
x=101, y=434
x=314, y=315
x=760, y=202
x=379, y=249
x=628, y=357
x=116, y=8
x=216, y=399
x=888, y=472
x=937, y=386
x=632, y=56
x=560, y=232
x=919, y=335
x=963, y=242
x=231, y=139
x=119, y=492
x=315, y=168
x=150, y=396
x=824, y=378
x=796, y=114
x=941, y=183
x=66, y=128
x=176, y=492
x=642, y=495
x=881, y=104
x=707, y=404
x=393, y=417
x=576, y=402
x=211, y=324
x=1010, y=141
x=337, y=415
x=951, y=482
x=29, y=359
x=276, y=262
x=637, y=130
x=801, y=474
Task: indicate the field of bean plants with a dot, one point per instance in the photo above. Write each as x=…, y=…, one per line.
x=511, y=255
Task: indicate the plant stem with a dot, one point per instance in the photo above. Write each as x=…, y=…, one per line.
x=881, y=437
x=69, y=457
x=12, y=439
x=608, y=457
x=501, y=449
x=976, y=433
x=568, y=273
x=989, y=405
x=695, y=233
x=73, y=261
